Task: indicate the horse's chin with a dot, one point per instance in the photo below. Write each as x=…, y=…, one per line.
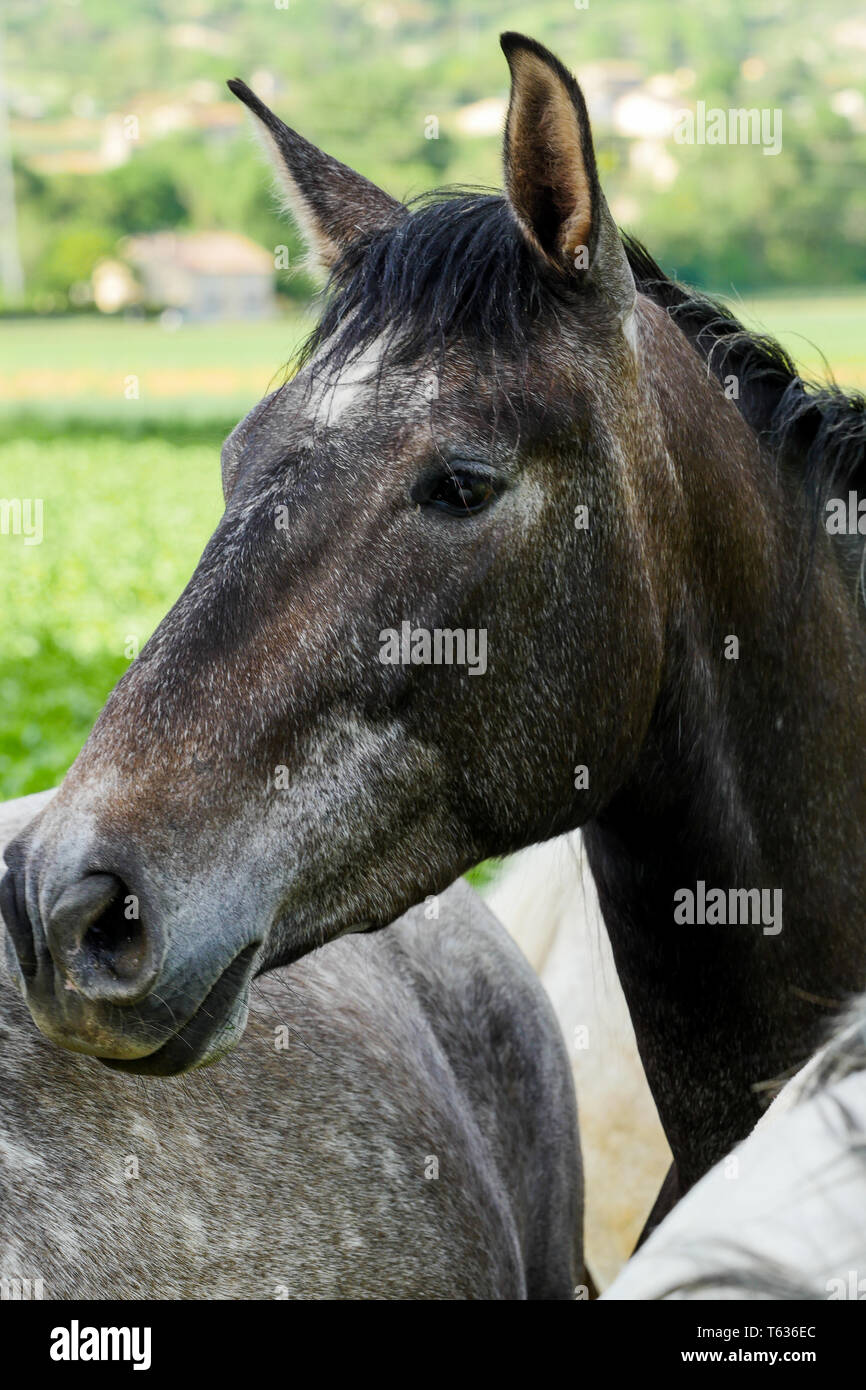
x=213, y=1030
x=175, y=1057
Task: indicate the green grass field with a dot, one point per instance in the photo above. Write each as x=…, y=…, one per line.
x=821, y=332
x=84, y=368
x=131, y=491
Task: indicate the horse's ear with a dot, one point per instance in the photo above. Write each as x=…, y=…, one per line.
x=550, y=174
x=331, y=204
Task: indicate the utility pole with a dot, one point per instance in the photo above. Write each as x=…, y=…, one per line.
x=11, y=274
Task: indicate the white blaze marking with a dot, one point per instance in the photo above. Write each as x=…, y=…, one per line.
x=332, y=398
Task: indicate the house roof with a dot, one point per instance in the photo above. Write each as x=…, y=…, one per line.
x=207, y=253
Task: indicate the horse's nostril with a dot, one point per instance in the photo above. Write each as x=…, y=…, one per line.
x=100, y=944
x=116, y=940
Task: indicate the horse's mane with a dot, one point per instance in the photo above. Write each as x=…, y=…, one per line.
x=821, y=428
x=844, y=1054
x=458, y=267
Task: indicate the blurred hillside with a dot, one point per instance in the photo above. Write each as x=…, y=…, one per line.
x=120, y=122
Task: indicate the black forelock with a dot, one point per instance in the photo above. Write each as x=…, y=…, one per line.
x=456, y=268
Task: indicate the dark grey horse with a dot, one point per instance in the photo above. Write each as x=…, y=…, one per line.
x=398, y=1121
x=531, y=541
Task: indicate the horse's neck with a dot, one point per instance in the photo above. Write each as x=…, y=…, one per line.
x=753, y=775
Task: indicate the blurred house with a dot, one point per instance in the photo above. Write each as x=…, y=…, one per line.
x=202, y=276
x=113, y=286
x=485, y=117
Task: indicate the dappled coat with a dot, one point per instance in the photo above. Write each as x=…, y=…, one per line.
x=398, y=1121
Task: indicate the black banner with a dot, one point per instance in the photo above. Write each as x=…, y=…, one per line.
x=84, y=1339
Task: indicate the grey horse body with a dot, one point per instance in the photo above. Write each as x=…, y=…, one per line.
x=309, y=1169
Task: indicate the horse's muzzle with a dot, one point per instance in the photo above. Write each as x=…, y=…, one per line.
x=92, y=975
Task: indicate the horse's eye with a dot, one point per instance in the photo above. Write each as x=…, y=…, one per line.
x=460, y=492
